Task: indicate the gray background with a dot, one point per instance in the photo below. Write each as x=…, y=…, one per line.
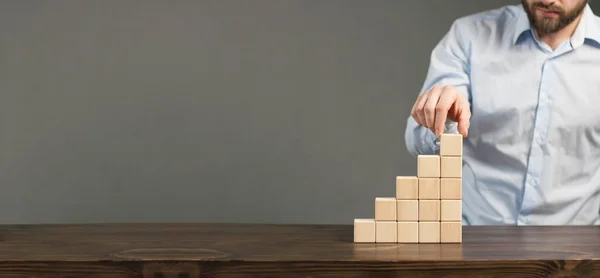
x=209, y=111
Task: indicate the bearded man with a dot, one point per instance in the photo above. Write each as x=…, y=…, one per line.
x=521, y=83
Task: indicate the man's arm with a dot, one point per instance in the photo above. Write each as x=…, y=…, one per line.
x=449, y=66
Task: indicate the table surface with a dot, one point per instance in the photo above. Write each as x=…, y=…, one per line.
x=268, y=243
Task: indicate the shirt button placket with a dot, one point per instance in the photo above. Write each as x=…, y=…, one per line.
x=531, y=190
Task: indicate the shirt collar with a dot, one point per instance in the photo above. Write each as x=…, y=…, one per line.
x=588, y=28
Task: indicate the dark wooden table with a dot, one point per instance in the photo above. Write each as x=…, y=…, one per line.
x=241, y=250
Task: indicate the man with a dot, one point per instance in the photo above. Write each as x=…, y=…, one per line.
x=522, y=85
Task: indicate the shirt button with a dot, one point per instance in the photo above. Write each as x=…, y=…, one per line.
x=531, y=182
x=540, y=140
x=545, y=97
x=523, y=219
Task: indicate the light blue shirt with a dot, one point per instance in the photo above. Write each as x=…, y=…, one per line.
x=532, y=155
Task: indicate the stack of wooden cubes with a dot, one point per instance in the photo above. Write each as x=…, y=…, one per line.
x=427, y=207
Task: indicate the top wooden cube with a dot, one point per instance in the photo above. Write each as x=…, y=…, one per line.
x=451, y=144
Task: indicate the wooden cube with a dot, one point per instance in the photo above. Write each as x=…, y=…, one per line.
x=385, y=209
x=429, y=210
x=451, y=188
x=428, y=166
x=407, y=188
x=451, y=167
x=408, y=232
x=429, y=188
x=451, y=232
x=451, y=144
x=429, y=232
x=386, y=231
x=364, y=230
x=408, y=210
x=451, y=210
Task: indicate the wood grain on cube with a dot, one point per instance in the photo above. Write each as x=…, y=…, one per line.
x=429, y=210
x=451, y=188
x=428, y=166
x=451, y=232
x=385, y=209
x=386, y=231
x=408, y=232
x=408, y=210
x=451, y=144
x=451, y=210
x=429, y=188
x=364, y=230
x=407, y=187
x=429, y=232
x=451, y=167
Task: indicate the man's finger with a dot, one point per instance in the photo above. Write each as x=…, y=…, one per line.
x=464, y=121
x=419, y=107
x=430, y=105
x=413, y=111
x=447, y=99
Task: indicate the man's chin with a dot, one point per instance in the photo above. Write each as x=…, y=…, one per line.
x=546, y=25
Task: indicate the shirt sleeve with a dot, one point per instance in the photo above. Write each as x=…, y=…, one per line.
x=449, y=65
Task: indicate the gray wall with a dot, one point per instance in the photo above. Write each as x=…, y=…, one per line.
x=209, y=111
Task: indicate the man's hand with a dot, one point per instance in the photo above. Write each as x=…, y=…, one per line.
x=437, y=104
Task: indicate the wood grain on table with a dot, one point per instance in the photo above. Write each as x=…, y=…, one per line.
x=240, y=250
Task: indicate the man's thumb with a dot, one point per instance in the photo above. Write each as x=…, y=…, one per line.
x=463, y=125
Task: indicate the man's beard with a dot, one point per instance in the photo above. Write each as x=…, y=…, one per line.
x=546, y=25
